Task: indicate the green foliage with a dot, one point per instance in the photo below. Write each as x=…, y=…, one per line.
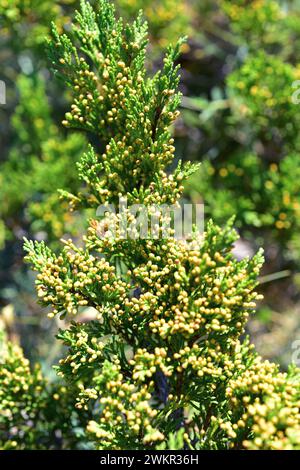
x=262, y=88
x=271, y=411
x=254, y=167
x=26, y=23
x=34, y=414
x=266, y=24
x=259, y=193
x=114, y=100
x=255, y=21
x=164, y=363
x=168, y=19
x=40, y=161
x=22, y=398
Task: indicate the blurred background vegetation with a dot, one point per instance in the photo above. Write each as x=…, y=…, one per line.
x=240, y=68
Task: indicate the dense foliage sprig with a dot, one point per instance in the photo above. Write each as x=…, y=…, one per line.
x=22, y=398
x=164, y=362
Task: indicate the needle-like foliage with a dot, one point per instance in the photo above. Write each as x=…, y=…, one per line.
x=164, y=362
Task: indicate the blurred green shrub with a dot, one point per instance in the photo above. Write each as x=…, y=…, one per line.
x=261, y=100
x=167, y=19
x=252, y=171
x=41, y=160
